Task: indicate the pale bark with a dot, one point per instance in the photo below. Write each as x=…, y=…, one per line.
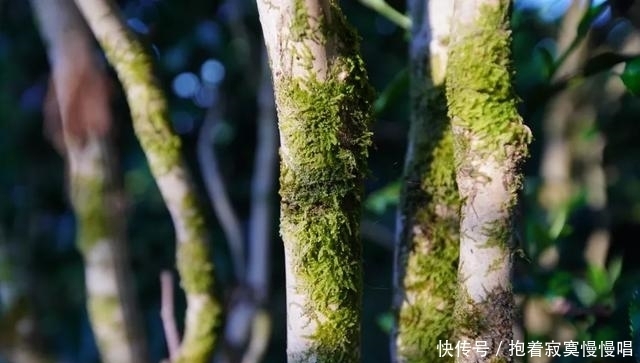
x=163, y=150
x=324, y=110
x=81, y=94
x=491, y=142
x=427, y=249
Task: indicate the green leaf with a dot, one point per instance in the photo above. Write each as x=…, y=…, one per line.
x=614, y=269
x=558, y=223
x=585, y=293
x=598, y=279
x=385, y=322
x=398, y=86
x=560, y=284
x=631, y=76
x=589, y=16
x=547, y=60
x=585, y=23
x=378, y=201
x=603, y=62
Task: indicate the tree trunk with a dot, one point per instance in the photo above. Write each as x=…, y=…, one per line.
x=426, y=255
x=163, y=150
x=324, y=108
x=79, y=99
x=491, y=142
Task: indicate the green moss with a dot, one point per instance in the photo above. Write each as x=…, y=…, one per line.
x=430, y=243
x=489, y=320
x=163, y=150
x=193, y=260
x=106, y=319
x=191, y=213
x=88, y=196
x=428, y=252
x=199, y=340
x=481, y=99
x=467, y=317
x=194, y=267
x=488, y=129
x=324, y=131
x=147, y=103
x=103, y=310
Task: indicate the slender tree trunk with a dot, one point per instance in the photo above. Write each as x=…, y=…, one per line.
x=491, y=142
x=426, y=255
x=163, y=150
x=80, y=97
x=324, y=109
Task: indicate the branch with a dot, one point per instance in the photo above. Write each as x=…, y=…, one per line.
x=260, y=334
x=217, y=191
x=163, y=150
x=166, y=314
x=389, y=12
x=262, y=186
x=79, y=107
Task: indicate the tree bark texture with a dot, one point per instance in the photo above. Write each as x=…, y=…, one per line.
x=490, y=144
x=324, y=107
x=426, y=255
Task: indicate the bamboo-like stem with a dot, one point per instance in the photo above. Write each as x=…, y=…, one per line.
x=163, y=151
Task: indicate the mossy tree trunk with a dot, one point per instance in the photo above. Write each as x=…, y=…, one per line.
x=426, y=255
x=79, y=104
x=491, y=142
x=324, y=110
x=163, y=150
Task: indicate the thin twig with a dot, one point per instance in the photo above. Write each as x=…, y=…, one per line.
x=217, y=191
x=260, y=334
x=389, y=12
x=262, y=186
x=166, y=314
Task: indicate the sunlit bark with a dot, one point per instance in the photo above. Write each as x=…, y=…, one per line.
x=490, y=144
x=324, y=110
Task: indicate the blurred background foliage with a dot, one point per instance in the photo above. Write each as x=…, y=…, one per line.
x=207, y=55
